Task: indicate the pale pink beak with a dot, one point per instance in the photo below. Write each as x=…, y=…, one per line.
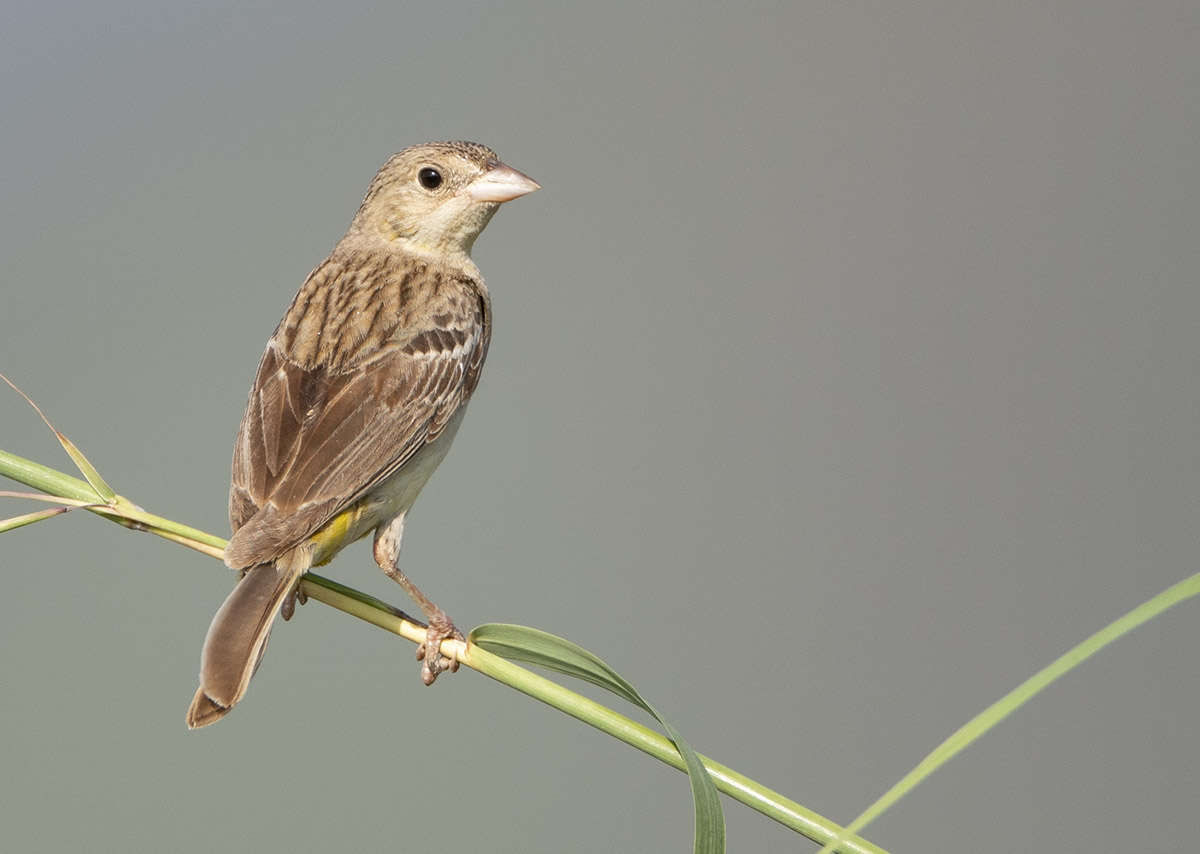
x=500, y=184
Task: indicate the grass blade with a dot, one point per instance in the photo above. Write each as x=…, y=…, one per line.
x=519, y=643
x=30, y=518
x=1022, y=694
x=82, y=463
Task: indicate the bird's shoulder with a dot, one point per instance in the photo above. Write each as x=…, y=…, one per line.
x=363, y=300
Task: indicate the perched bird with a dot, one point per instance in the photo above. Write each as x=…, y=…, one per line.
x=357, y=399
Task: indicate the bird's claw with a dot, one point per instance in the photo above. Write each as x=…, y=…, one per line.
x=288, y=606
x=430, y=652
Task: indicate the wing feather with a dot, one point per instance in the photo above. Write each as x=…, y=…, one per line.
x=314, y=439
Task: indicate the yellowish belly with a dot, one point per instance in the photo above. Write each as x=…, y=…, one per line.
x=385, y=502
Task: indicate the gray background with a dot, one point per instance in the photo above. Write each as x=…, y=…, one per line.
x=844, y=374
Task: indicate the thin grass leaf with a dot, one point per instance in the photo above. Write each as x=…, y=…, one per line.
x=532, y=646
x=1023, y=693
x=53, y=499
x=82, y=463
x=86, y=468
x=30, y=518
x=65, y=504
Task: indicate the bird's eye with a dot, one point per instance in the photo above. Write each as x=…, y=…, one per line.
x=430, y=178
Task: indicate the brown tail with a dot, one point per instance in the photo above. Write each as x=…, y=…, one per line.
x=236, y=640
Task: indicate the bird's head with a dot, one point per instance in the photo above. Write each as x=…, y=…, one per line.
x=437, y=197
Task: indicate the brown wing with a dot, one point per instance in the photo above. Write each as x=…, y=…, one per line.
x=313, y=440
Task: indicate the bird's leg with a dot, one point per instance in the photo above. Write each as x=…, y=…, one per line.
x=387, y=555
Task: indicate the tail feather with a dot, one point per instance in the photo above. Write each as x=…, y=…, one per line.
x=236, y=640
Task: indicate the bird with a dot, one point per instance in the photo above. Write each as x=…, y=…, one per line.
x=357, y=398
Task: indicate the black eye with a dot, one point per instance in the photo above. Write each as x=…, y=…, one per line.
x=430, y=178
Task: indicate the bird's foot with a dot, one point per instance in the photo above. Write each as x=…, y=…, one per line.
x=430, y=652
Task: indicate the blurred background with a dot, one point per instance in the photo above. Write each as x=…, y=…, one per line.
x=843, y=375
